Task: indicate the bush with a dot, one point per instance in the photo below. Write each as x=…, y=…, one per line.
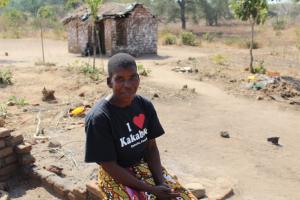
x=241, y=43
x=90, y=71
x=209, y=37
x=17, y=101
x=142, y=71
x=5, y=77
x=279, y=25
x=3, y=110
x=169, y=39
x=218, y=59
x=247, y=45
x=188, y=38
x=260, y=69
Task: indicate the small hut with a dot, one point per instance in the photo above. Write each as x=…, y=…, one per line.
x=121, y=27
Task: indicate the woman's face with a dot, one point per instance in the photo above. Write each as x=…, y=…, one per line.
x=124, y=83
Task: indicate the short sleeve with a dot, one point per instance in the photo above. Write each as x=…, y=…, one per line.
x=154, y=127
x=99, y=141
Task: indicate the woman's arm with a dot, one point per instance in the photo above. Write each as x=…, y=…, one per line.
x=153, y=159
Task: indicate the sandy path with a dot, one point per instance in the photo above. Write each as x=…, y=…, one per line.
x=196, y=151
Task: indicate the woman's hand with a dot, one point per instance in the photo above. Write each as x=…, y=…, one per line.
x=164, y=192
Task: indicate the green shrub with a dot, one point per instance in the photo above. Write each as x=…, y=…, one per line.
x=247, y=45
x=218, y=59
x=142, y=71
x=5, y=77
x=279, y=25
x=188, y=38
x=90, y=71
x=260, y=69
x=17, y=101
x=209, y=37
x=3, y=110
x=169, y=39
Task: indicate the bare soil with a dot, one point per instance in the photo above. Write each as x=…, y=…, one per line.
x=212, y=101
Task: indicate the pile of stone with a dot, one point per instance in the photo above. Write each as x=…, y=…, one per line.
x=14, y=153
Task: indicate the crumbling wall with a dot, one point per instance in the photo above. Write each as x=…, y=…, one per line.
x=78, y=35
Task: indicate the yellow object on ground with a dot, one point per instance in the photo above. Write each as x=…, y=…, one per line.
x=252, y=78
x=77, y=111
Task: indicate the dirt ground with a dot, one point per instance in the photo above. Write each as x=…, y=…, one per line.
x=193, y=118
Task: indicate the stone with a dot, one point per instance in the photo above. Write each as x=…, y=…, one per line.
x=92, y=187
x=259, y=98
x=197, y=189
x=23, y=148
x=224, y=134
x=54, y=144
x=8, y=169
x=6, y=152
x=4, y=132
x=222, y=190
x=60, y=186
x=2, y=144
x=4, y=195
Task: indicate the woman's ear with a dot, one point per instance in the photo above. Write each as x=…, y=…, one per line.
x=108, y=82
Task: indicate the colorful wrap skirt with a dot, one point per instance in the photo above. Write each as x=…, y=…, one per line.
x=111, y=190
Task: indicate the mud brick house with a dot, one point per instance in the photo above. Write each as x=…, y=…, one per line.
x=122, y=28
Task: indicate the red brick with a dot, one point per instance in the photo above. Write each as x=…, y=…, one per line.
x=23, y=148
x=6, y=152
x=10, y=159
x=8, y=169
x=80, y=193
x=14, y=140
x=92, y=187
x=26, y=159
x=4, y=132
x=71, y=196
x=2, y=144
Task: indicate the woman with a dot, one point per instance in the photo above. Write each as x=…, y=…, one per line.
x=121, y=131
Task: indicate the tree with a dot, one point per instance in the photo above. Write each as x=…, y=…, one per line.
x=44, y=14
x=182, y=13
x=3, y=3
x=94, y=6
x=256, y=12
x=15, y=20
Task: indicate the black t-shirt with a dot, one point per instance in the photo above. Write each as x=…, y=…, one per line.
x=120, y=134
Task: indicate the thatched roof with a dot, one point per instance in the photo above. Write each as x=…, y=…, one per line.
x=107, y=10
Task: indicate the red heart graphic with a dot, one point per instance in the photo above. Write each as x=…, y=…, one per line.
x=139, y=120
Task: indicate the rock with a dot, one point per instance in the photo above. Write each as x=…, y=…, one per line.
x=54, y=144
x=184, y=87
x=274, y=140
x=197, y=189
x=10, y=103
x=25, y=110
x=48, y=95
x=6, y=53
x=259, y=98
x=224, y=134
x=3, y=195
x=82, y=94
x=233, y=81
x=222, y=190
x=155, y=95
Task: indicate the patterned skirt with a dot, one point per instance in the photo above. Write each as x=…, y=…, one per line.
x=111, y=190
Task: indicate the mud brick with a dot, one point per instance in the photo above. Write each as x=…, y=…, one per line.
x=2, y=162
x=71, y=196
x=4, y=132
x=14, y=140
x=10, y=159
x=2, y=144
x=26, y=159
x=23, y=148
x=6, y=152
x=61, y=187
x=80, y=193
x=5, y=177
x=92, y=187
x=8, y=169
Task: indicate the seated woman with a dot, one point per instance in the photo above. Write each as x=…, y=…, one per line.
x=121, y=131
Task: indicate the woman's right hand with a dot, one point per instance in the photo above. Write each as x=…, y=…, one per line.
x=164, y=192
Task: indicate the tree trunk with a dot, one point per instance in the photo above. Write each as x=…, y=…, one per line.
x=251, y=47
x=94, y=45
x=42, y=40
x=100, y=49
x=182, y=13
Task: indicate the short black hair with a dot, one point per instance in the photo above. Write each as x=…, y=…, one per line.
x=118, y=60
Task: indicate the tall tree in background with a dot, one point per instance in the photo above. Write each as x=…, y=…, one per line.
x=94, y=6
x=44, y=14
x=255, y=11
x=182, y=5
x=3, y=3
